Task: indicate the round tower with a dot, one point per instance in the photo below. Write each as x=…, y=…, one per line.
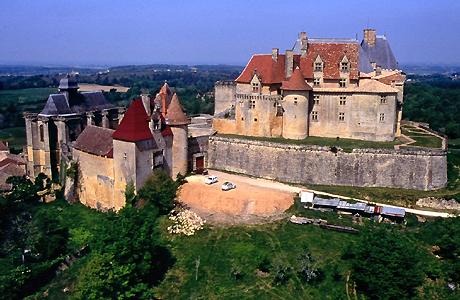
x=296, y=93
x=178, y=122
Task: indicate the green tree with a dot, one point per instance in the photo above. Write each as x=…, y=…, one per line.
x=386, y=264
x=160, y=191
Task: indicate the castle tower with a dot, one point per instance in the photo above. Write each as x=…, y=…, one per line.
x=178, y=121
x=132, y=151
x=295, y=104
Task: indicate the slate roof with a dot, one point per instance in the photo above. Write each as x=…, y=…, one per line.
x=59, y=104
x=331, y=52
x=381, y=53
x=95, y=140
x=175, y=114
x=296, y=82
x=134, y=126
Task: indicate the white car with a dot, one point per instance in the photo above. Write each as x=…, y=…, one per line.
x=210, y=179
x=228, y=186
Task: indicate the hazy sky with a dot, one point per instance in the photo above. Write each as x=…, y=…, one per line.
x=208, y=32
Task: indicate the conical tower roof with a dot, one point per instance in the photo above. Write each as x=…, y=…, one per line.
x=296, y=82
x=134, y=126
x=175, y=114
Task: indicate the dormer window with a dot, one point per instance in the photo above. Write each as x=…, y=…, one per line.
x=255, y=87
x=318, y=64
x=316, y=81
x=344, y=65
x=343, y=83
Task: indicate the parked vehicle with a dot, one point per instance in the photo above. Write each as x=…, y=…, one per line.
x=210, y=179
x=228, y=186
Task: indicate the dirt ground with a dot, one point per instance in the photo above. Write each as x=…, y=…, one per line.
x=250, y=202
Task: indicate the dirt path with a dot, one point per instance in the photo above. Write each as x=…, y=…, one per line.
x=248, y=203
x=285, y=188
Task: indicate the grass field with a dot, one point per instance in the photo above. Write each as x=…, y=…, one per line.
x=206, y=261
x=345, y=144
x=421, y=137
x=26, y=99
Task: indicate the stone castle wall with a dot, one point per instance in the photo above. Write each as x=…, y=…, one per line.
x=409, y=169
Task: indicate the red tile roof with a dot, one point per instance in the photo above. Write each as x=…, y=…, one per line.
x=134, y=126
x=175, y=114
x=296, y=82
x=271, y=71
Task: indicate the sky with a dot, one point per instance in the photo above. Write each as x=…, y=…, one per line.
x=116, y=32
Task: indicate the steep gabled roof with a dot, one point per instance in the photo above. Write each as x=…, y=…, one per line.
x=175, y=114
x=331, y=52
x=59, y=104
x=134, y=126
x=380, y=53
x=95, y=140
x=296, y=82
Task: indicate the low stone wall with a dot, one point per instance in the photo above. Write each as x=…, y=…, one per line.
x=309, y=164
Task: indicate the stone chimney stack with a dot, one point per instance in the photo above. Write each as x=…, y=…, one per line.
x=289, y=63
x=303, y=43
x=275, y=52
x=369, y=37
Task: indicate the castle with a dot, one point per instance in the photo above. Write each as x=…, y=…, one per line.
x=111, y=147
x=321, y=87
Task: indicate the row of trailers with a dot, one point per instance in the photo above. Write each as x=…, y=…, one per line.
x=310, y=200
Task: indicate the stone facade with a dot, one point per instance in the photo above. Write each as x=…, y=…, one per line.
x=346, y=94
x=407, y=169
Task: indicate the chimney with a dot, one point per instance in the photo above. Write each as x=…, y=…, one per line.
x=275, y=52
x=303, y=43
x=289, y=63
x=369, y=37
x=378, y=71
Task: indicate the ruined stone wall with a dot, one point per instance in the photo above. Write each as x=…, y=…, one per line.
x=408, y=169
x=95, y=181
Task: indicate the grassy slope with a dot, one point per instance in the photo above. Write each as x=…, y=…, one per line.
x=15, y=136
x=220, y=249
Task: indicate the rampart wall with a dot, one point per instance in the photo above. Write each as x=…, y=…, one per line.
x=420, y=169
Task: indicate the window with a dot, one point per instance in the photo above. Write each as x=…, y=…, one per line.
x=314, y=116
x=316, y=81
x=255, y=87
x=316, y=99
x=295, y=102
x=255, y=119
x=341, y=117
x=382, y=117
x=343, y=83
x=344, y=66
x=383, y=99
x=343, y=100
x=252, y=104
x=318, y=67
x=42, y=134
x=242, y=119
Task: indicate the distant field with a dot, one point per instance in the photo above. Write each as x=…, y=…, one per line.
x=26, y=99
x=86, y=87
x=15, y=136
